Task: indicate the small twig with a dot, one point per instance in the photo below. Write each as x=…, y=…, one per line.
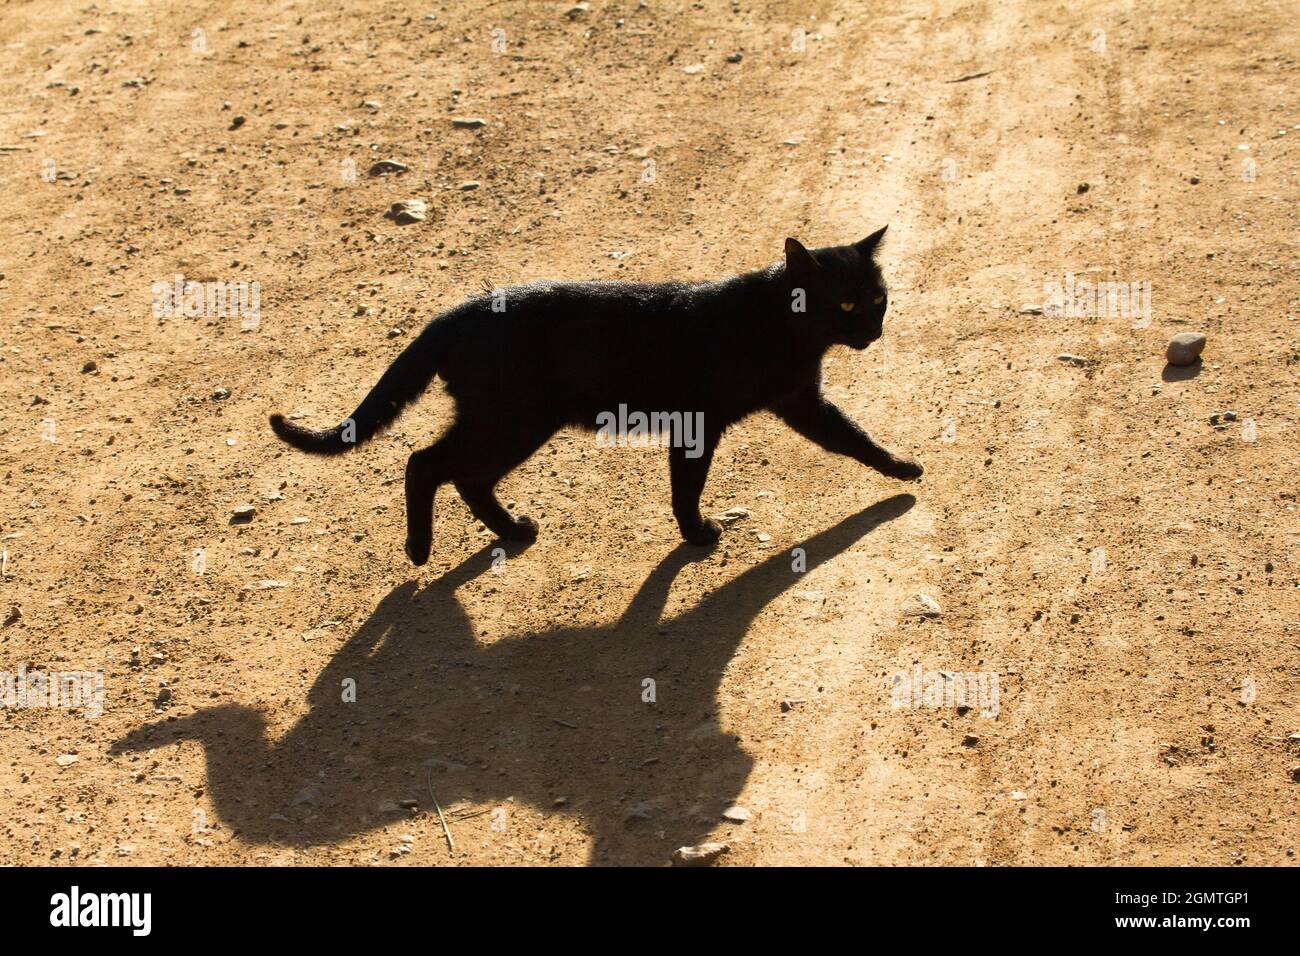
x=469, y=816
x=451, y=844
x=969, y=76
x=565, y=723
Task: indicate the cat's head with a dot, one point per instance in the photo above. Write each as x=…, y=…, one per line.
x=839, y=289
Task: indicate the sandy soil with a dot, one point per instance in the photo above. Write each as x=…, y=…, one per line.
x=1125, y=566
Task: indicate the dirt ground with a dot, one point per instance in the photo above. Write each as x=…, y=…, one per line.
x=1099, y=535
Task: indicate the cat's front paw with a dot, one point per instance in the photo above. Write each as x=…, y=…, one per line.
x=525, y=529
x=706, y=532
x=902, y=468
x=418, y=551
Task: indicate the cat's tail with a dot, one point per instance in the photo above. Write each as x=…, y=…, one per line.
x=403, y=382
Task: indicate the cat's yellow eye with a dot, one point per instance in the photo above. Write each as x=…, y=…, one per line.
x=878, y=299
x=846, y=306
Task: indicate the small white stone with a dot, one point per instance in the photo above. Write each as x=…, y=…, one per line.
x=701, y=855
x=732, y=515
x=406, y=211
x=921, y=605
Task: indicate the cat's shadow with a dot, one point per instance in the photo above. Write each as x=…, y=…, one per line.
x=560, y=720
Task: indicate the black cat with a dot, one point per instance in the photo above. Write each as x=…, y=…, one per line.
x=525, y=361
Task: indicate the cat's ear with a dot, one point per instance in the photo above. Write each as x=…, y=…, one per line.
x=868, y=245
x=798, y=259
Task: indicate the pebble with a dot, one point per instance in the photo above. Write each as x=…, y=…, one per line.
x=243, y=514
x=220, y=394
x=88, y=367
x=469, y=186
x=1077, y=360
x=468, y=122
x=577, y=10
x=237, y=122
x=921, y=605
x=1185, y=348
x=387, y=166
x=736, y=814
x=735, y=57
x=732, y=515
x=66, y=760
x=642, y=811
x=970, y=740
x=701, y=855
x=406, y=211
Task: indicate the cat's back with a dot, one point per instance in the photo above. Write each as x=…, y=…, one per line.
x=597, y=297
x=598, y=338
x=558, y=311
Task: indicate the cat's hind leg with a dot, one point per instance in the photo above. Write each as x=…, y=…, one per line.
x=426, y=469
x=477, y=493
x=502, y=447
